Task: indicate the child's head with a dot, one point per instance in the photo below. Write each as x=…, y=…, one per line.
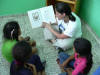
x=22, y=51
x=11, y=30
x=83, y=48
x=62, y=10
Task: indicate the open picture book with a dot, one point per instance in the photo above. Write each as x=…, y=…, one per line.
x=45, y=14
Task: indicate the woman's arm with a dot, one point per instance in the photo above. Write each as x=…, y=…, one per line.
x=58, y=35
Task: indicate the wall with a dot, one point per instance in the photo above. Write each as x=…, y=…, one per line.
x=9, y=7
x=90, y=13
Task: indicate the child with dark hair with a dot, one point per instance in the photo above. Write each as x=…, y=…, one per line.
x=68, y=29
x=25, y=63
x=80, y=62
x=11, y=34
x=11, y=30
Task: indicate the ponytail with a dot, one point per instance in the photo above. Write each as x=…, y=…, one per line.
x=89, y=63
x=71, y=17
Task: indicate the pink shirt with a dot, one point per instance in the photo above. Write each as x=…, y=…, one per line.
x=79, y=65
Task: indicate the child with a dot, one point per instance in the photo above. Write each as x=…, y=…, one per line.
x=80, y=62
x=11, y=34
x=68, y=29
x=25, y=63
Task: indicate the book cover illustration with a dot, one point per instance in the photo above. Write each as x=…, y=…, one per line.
x=45, y=14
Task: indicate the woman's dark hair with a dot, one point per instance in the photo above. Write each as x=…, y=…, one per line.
x=83, y=47
x=11, y=30
x=65, y=8
x=21, y=53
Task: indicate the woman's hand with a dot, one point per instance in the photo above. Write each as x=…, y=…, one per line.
x=46, y=25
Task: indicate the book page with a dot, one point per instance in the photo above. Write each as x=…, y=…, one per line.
x=45, y=14
x=35, y=18
x=48, y=14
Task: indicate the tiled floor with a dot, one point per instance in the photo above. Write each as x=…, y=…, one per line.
x=46, y=51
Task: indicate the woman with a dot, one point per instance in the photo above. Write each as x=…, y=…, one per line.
x=68, y=29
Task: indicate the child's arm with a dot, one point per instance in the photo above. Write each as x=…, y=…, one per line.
x=31, y=67
x=32, y=43
x=69, y=71
x=27, y=39
x=68, y=60
x=34, y=70
x=34, y=50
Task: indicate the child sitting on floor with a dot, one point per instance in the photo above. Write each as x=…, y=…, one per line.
x=80, y=62
x=11, y=34
x=25, y=63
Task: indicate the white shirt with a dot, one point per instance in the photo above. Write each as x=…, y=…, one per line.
x=72, y=28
